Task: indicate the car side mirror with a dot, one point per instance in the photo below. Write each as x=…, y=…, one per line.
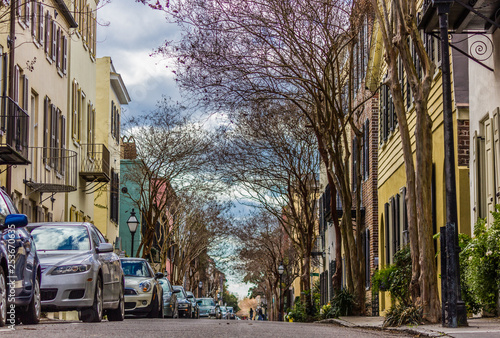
x=198, y=302
x=158, y=275
x=16, y=220
x=190, y=296
x=104, y=248
x=176, y=291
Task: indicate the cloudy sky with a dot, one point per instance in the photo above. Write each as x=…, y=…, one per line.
x=129, y=32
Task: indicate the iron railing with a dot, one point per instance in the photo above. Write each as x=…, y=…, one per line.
x=94, y=162
x=14, y=127
x=52, y=170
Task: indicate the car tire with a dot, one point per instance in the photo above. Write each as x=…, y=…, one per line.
x=94, y=313
x=3, y=298
x=34, y=311
x=155, y=308
x=118, y=314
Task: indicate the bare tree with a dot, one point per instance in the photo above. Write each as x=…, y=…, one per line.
x=234, y=53
x=173, y=159
x=400, y=35
x=271, y=158
x=263, y=247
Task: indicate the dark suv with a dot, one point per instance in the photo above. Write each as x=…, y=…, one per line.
x=19, y=268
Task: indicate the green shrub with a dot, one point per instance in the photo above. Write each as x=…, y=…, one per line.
x=396, y=278
x=401, y=314
x=343, y=303
x=480, y=261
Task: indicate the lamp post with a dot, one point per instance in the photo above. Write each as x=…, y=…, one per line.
x=281, y=269
x=132, y=223
x=200, y=285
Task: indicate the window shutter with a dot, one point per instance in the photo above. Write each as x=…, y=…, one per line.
x=406, y=238
x=490, y=177
x=112, y=118
x=366, y=143
x=496, y=153
x=39, y=214
x=40, y=24
x=26, y=93
x=45, y=128
x=27, y=12
x=58, y=49
x=18, y=7
x=475, y=179
x=367, y=258
x=63, y=144
x=53, y=130
x=53, y=51
x=50, y=217
x=65, y=54
x=387, y=235
x=397, y=223
x=57, y=144
x=34, y=26
x=16, y=84
x=48, y=25
x=117, y=125
x=381, y=115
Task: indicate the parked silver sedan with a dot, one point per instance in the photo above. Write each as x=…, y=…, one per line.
x=79, y=271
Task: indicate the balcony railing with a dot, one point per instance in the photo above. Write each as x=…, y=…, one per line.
x=14, y=126
x=52, y=170
x=95, y=163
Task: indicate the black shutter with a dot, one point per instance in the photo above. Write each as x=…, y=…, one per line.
x=387, y=237
x=366, y=143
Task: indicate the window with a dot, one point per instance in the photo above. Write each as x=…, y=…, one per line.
x=40, y=34
x=53, y=50
x=115, y=121
x=354, y=163
x=366, y=150
x=388, y=120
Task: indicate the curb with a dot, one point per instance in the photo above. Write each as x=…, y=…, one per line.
x=420, y=333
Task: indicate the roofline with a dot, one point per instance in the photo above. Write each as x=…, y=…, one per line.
x=119, y=88
x=66, y=13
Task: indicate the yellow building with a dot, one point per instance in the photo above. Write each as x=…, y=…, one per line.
x=111, y=94
x=81, y=93
x=38, y=97
x=393, y=227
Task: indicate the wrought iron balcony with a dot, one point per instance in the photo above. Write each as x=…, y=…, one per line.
x=14, y=126
x=52, y=170
x=465, y=16
x=95, y=163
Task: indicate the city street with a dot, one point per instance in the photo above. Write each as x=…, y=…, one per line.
x=145, y=327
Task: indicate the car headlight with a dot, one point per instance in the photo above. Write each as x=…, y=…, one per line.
x=65, y=269
x=145, y=286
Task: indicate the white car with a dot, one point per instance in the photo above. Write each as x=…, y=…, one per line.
x=143, y=292
x=79, y=271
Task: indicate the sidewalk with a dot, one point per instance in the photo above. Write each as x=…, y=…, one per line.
x=478, y=327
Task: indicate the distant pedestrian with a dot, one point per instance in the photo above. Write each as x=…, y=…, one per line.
x=251, y=314
x=259, y=313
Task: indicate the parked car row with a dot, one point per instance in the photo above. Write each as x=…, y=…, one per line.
x=66, y=266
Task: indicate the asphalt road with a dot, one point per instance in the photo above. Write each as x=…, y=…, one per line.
x=192, y=328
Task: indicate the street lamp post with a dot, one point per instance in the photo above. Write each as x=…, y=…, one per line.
x=200, y=285
x=281, y=269
x=132, y=223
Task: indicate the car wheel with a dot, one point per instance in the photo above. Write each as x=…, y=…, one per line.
x=3, y=298
x=155, y=307
x=118, y=314
x=94, y=313
x=34, y=310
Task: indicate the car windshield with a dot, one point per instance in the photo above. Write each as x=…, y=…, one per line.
x=61, y=238
x=135, y=268
x=165, y=285
x=180, y=295
x=207, y=302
